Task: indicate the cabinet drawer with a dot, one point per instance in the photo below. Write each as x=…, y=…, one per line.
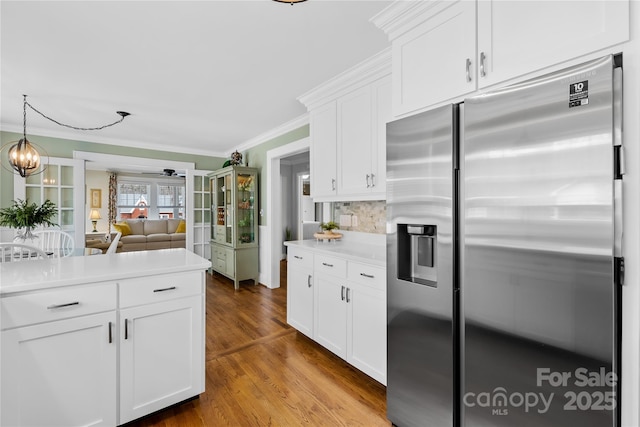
x=298, y=258
x=146, y=290
x=367, y=275
x=330, y=265
x=56, y=304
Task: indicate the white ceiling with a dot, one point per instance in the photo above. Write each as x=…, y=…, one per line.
x=202, y=77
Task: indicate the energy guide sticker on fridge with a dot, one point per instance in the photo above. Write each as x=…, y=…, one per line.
x=579, y=94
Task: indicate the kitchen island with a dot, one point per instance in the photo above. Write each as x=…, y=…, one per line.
x=100, y=340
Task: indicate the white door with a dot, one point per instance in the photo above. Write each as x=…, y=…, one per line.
x=434, y=61
x=161, y=356
x=62, y=182
x=300, y=300
x=519, y=37
x=323, y=150
x=367, y=329
x=60, y=373
x=331, y=314
x=198, y=212
x=355, y=138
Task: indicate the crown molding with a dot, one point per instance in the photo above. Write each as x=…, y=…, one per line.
x=404, y=15
x=294, y=124
x=364, y=73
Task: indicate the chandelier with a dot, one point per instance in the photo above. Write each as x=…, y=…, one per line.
x=25, y=157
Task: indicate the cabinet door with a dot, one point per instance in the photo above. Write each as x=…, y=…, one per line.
x=323, y=150
x=331, y=314
x=367, y=331
x=355, y=137
x=60, y=373
x=515, y=38
x=433, y=62
x=381, y=93
x=300, y=300
x=161, y=355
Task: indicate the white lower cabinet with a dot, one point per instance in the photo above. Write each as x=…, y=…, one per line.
x=346, y=310
x=300, y=291
x=61, y=349
x=63, y=373
x=161, y=362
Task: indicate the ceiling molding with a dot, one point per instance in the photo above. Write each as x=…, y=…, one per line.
x=366, y=72
x=96, y=139
x=294, y=124
x=402, y=16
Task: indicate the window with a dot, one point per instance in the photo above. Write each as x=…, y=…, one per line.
x=151, y=198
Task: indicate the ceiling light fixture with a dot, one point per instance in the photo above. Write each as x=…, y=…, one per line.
x=290, y=1
x=25, y=158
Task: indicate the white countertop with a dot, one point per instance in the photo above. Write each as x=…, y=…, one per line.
x=374, y=254
x=50, y=273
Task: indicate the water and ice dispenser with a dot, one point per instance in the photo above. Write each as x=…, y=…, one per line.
x=417, y=254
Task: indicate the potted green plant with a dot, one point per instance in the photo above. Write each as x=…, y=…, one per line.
x=23, y=215
x=329, y=226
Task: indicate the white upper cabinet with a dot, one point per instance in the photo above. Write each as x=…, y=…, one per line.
x=323, y=130
x=362, y=118
x=348, y=117
x=440, y=50
x=443, y=50
x=519, y=37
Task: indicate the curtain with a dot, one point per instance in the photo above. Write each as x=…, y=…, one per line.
x=113, y=199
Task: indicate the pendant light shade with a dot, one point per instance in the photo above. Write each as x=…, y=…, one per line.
x=290, y=1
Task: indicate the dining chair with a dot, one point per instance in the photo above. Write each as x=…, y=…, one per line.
x=114, y=243
x=12, y=252
x=57, y=242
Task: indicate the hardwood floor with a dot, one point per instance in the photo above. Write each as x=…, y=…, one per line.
x=262, y=372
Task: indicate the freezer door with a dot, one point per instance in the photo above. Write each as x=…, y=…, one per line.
x=420, y=361
x=538, y=288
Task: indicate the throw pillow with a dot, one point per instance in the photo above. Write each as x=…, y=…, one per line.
x=182, y=227
x=123, y=228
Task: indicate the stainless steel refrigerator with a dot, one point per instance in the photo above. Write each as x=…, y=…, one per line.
x=504, y=255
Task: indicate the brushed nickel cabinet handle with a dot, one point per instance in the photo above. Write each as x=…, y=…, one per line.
x=297, y=257
x=468, y=69
x=69, y=304
x=368, y=181
x=482, y=59
x=327, y=264
x=110, y=336
x=348, y=292
x=126, y=329
x=309, y=280
x=333, y=184
x=373, y=184
x=368, y=276
x=342, y=294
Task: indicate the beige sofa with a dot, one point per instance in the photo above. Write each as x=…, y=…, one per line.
x=149, y=234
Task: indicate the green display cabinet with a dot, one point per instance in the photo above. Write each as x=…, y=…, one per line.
x=234, y=223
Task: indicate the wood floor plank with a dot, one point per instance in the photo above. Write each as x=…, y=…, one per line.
x=262, y=372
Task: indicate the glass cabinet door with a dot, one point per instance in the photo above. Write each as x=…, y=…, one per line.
x=222, y=228
x=246, y=207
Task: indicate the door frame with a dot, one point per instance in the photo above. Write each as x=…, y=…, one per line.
x=273, y=249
